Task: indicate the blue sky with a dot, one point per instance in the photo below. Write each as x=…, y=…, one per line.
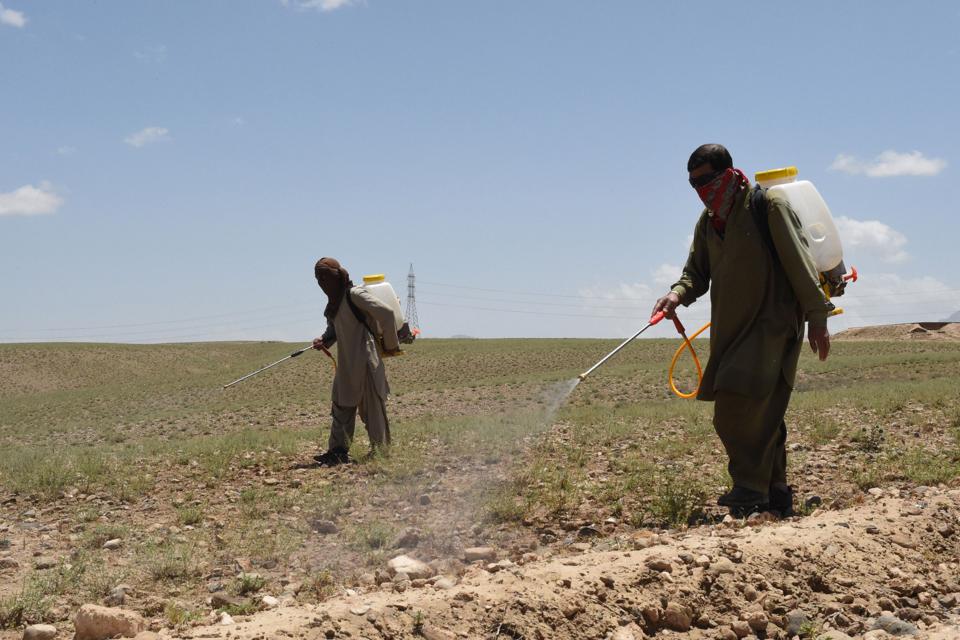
x=172, y=170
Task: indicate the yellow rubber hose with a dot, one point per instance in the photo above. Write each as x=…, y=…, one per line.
x=676, y=356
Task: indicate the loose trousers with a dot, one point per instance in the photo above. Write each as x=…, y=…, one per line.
x=373, y=413
x=754, y=434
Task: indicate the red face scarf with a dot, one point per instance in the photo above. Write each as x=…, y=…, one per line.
x=718, y=195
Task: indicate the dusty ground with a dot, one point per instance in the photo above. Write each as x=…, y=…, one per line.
x=213, y=496
x=896, y=555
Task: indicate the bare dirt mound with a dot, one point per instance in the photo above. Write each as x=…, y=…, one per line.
x=889, y=564
x=910, y=331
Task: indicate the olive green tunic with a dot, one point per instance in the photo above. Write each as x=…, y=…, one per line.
x=758, y=302
x=758, y=306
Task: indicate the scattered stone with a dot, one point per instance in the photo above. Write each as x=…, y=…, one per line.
x=894, y=626
x=430, y=632
x=677, y=617
x=945, y=529
x=222, y=600
x=659, y=564
x=833, y=634
x=876, y=492
x=629, y=632
x=40, y=632
x=571, y=611
x=116, y=597
x=113, y=545
x=589, y=531
x=726, y=633
x=361, y=610
x=44, y=563
x=750, y=593
x=270, y=602
x=325, y=527
x=872, y=529
x=425, y=500
x=795, y=622
x=8, y=563
x=473, y=554
x=225, y=618
x=741, y=628
x=722, y=565
x=757, y=621
x=94, y=622
x=702, y=561
x=411, y=566
x=812, y=502
x=903, y=541
x=408, y=539
x=214, y=586
x=444, y=584
x=607, y=581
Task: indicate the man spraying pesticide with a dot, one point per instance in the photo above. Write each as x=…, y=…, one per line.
x=771, y=260
x=364, y=326
x=368, y=324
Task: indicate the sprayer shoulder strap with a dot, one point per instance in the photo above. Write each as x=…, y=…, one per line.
x=760, y=210
x=360, y=315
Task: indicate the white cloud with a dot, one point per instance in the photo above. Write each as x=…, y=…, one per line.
x=666, y=274
x=147, y=136
x=12, y=18
x=890, y=163
x=238, y=121
x=888, y=298
x=66, y=150
x=872, y=236
x=29, y=200
x=320, y=5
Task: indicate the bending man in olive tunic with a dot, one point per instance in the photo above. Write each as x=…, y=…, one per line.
x=763, y=286
x=361, y=380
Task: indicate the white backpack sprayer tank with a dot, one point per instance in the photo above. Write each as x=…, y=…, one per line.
x=818, y=226
x=378, y=286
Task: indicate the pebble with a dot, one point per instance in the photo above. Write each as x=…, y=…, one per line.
x=474, y=554
x=894, y=626
x=677, y=617
x=225, y=618
x=410, y=566
x=740, y=628
x=270, y=602
x=757, y=621
x=361, y=610
x=40, y=632
x=325, y=527
x=113, y=545
x=659, y=564
x=796, y=620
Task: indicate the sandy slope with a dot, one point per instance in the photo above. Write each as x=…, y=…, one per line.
x=908, y=331
x=839, y=568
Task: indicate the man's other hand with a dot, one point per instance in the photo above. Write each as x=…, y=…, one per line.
x=819, y=338
x=318, y=343
x=667, y=304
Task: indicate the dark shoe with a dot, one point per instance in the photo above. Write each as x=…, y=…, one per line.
x=742, y=502
x=332, y=458
x=781, y=501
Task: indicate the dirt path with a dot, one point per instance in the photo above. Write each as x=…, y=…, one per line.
x=892, y=561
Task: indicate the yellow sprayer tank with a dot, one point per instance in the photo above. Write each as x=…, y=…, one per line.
x=814, y=214
x=378, y=286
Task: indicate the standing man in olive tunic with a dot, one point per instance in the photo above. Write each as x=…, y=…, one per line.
x=763, y=288
x=360, y=383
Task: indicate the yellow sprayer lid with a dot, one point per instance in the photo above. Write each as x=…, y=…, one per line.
x=377, y=277
x=775, y=174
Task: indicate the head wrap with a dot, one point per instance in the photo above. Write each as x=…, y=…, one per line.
x=718, y=194
x=335, y=282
